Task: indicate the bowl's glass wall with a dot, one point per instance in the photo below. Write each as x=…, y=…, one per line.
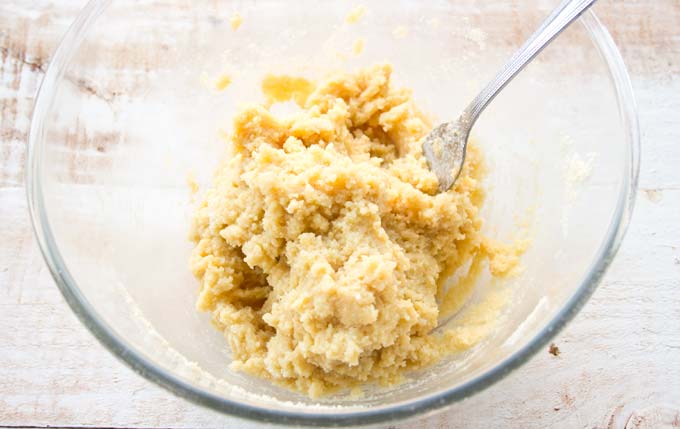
x=130, y=119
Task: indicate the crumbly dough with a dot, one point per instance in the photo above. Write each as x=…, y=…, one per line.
x=235, y=21
x=356, y=14
x=358, y=46
x=321, y=246
x=219, y=83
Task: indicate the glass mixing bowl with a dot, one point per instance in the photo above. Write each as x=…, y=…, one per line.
x=124, y=115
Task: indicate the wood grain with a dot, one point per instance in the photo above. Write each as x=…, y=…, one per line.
x=619, y=359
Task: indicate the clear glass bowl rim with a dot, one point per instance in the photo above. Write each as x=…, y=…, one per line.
x=143, y=366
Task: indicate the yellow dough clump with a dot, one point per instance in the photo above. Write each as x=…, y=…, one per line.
x=235, y=21
x=356, y=14
x=321, y=246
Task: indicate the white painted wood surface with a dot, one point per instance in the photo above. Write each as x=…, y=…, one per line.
x=619, y=364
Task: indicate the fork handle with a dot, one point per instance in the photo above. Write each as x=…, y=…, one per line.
x=566, y=13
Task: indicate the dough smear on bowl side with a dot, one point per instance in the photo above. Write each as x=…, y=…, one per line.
x=321, y=245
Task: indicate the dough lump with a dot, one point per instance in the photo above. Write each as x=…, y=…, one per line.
x=321, y=245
